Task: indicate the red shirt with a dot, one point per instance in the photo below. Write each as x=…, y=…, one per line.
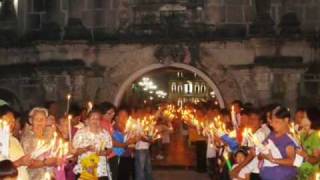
x=107, y=125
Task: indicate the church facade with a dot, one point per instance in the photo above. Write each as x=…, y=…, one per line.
x=258, y=51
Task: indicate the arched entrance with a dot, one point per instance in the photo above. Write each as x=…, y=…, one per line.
x=127, y=83
x=181, y=150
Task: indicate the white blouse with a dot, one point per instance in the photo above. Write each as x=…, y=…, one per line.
x=84, y=138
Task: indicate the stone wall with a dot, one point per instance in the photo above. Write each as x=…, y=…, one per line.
x=110, y=15
x=230, y=65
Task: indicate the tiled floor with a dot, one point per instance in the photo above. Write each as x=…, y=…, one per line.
x=179, y=152
x=180, y=161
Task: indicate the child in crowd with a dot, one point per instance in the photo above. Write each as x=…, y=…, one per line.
x=7, y=170
x=239, y=157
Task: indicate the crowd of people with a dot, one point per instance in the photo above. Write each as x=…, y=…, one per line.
x=268, y=143
x=242, y=143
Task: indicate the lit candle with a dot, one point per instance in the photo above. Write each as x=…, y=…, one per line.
x=233, y=134
x=68, y=103
x=69, y=127
x=318, y=176
x=41, y=148
x=90, y=106
x=233, y=117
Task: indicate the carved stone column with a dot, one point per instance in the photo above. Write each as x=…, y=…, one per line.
x=263, y=24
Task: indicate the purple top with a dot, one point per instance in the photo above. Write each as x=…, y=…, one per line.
x=280, y=172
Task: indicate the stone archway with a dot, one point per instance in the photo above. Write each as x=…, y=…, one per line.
x=126, y=84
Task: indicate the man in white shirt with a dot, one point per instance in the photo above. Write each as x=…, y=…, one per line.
x=143, y=168
x=212, y=166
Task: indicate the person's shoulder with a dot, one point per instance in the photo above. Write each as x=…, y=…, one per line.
x=106, y=133
x=290, y=141
x=271, y=135
x=82, y=130
x=315, y=137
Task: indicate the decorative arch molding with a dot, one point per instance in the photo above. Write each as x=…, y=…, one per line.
x=133, y=77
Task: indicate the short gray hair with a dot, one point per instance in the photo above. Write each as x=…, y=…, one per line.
x=38, y=109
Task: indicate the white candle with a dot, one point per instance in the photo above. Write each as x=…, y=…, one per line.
x=233, y=117
x=69, y=127
x=68, y=103
x=4, y=139
x=90, y=106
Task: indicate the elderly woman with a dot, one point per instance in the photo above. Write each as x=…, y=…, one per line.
x=310, y=142
x=96, y=143
x=38, y=165
x=16, y=153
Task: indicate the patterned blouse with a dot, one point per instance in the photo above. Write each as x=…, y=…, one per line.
x=84, y=138
x=29, y=142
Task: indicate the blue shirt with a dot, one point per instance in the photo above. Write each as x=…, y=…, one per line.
x=118, y=136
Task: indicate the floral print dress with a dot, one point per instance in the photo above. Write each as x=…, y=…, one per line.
x=90, y=165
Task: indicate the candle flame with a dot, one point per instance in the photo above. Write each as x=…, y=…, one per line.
x=90, y=106
x=69, y=96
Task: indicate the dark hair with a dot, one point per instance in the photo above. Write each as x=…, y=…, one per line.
x=48, y=104
x=301, y=110
x=94, y=110
x=105, y=107
x=248, y=105
x=314, y=116
x=7, y=169
x=225, y=112
x=244, y=111
x=215, y=107
x=237, y=102
x=244, y=151
x=5, y=109
x=123, y=108
x=254, y=111
x=266, y=111
x=75, y=110
x=281, y=112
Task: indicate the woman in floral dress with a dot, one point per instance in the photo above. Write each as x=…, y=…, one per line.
x=92, y=164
